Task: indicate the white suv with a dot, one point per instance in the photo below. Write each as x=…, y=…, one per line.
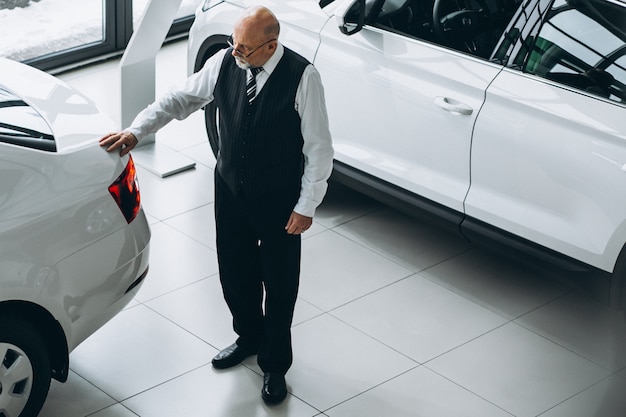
x=506, y=118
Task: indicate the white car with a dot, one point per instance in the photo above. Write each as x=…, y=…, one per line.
x=74, y=240
x=505, y=118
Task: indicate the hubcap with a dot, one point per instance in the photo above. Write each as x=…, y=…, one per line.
x=16, y=379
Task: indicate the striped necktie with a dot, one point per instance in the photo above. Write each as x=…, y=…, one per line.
x=251, y=85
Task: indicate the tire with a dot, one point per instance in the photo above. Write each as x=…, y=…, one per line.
x=210, y=122
x=25, y=369
x=211, y=114
x=618, y=283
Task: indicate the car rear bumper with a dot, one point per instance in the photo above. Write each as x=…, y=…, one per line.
x=113, y=270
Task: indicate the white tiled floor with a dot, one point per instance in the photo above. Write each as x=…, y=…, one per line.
x=395, y=318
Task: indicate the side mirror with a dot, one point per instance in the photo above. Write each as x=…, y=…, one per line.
x=350, y=16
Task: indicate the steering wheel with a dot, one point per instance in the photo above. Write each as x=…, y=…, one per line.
x=463, y=24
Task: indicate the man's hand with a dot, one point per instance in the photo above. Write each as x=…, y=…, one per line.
x=124, y=140
x=298, y=224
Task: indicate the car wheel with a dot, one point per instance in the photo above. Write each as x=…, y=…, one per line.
x=210, y=121
x=211, y=114
x=25, y=370
x=618, y=282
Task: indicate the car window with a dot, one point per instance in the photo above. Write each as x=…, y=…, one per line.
x=470, y=26
x=21, y=125
x=408, y=17
x=582, y=44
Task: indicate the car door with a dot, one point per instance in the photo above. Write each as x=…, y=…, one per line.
x=549, y=147
x=401, y=108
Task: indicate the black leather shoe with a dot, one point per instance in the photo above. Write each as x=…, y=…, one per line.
x=231, y=356
x=274, y=388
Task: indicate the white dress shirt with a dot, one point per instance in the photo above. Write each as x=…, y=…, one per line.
x=197, y=91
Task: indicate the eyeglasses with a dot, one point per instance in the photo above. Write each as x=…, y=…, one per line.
x=231, y=43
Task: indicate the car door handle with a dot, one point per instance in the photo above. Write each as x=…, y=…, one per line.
x=453, y=106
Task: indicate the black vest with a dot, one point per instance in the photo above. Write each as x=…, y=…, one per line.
x=260, y=148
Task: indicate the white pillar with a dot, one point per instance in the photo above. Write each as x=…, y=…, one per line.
x=137, y=81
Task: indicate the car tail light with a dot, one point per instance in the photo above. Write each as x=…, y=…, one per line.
x=125, y=191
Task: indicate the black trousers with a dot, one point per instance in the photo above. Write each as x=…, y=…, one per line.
x=259, y=265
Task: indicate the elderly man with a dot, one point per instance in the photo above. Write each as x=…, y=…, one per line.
x=272, y=169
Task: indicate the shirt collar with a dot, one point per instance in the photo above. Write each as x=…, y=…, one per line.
x=271, y=63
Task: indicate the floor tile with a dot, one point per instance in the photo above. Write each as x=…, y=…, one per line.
x=208, y=392
x=200, y=309
x=583, y=326
x=198, y=224
x=184, y=134
x=305, y=311
x=417, y=393
x=408, y=241
x=604, y=399
x=336, y=271
x=151, y=219
x=201, y=153
x=74, y=398
x=315, y=229
x=426, y=320
x=167, y=197
x=176, y=260
x=132, y=303
x=497, y=283
x=137, y=350
x=342, y=204
x=117, y=410
x=334, y=362
x=518, y=370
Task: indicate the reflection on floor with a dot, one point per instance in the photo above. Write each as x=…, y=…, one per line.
x=395, y=317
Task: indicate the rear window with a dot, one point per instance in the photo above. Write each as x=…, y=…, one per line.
x=22, y=125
